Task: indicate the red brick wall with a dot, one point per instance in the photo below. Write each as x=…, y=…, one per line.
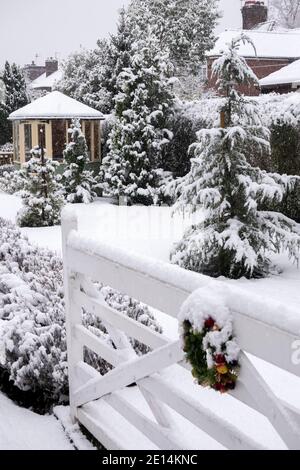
x=261, y=68
x=33, y=71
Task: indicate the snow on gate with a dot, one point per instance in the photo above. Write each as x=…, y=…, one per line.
x=112, y=412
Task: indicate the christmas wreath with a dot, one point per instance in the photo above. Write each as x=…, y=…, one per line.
x=208, y=341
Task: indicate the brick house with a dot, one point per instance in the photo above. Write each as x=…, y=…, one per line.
x=275, y=48
x=41, y=79
x=284, y=80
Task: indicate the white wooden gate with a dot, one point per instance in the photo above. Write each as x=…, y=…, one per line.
x=96, y=401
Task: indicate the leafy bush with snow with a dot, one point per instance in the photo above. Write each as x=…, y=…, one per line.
x=32, y=320
x=42, y=194
x=11, y=180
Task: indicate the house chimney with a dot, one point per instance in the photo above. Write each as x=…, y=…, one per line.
x=254, y=13
x=51, y=66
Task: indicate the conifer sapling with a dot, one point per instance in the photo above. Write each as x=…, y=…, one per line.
x=235, y=238
x=42, y=194
x=79, y=183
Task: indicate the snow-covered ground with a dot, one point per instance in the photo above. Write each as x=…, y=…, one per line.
x=21, y=429
x=151, y=232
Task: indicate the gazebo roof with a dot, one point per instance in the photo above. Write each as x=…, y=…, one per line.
x=55, y=105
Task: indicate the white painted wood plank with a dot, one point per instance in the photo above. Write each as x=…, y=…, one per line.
x=129, y=372
x=73, y=314
x=271, y=344
x=87, y=338
x=101, y=424
x=131, y=327
x=140, y=286
x=159, y=435
x=121, y=341
x=205, y=419
x=277, y=414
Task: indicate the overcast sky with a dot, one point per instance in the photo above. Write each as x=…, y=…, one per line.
x=58, y=27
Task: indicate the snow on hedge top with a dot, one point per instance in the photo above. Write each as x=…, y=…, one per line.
x=55, y=105
x=46, y=82
x=288, y=74
x=275, y=44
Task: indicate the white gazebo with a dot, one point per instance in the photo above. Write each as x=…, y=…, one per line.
x=53, y=114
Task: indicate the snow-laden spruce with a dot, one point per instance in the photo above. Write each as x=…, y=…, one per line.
x=33, y=347
x=236, y=237
x=140, y=133
x=79, y=183
x=87, y=77
x=15, y=97
x=184, y=27
x=42, y=195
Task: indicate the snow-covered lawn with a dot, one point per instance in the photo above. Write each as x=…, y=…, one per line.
x=151, y=232
x=21, y=429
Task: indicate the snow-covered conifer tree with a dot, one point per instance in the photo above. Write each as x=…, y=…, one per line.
x=78, y=182
x=184, y=27
x=42, y=194
x=235, y=237
x=119, y=49
x=87, y=77
x=15, y=97
x=139, y=134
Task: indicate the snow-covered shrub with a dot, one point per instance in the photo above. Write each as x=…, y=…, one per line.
x=79, y=183
x=42, y=194
x=285, y=145
x=236, y=237
x=6, y=169
x=11, y=180
x=32, y=330
x=32, y=319
x=8, y=147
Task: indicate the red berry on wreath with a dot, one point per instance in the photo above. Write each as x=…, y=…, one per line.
x=209, y=323
x=220, y=359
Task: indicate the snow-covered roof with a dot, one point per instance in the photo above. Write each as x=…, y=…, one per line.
x=55, y=105
x=46, y=82
x=269, y=44
x=288, y=74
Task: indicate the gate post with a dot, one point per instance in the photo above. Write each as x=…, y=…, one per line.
x=72, y=311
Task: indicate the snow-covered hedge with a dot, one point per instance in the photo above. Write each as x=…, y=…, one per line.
x=280, y=113
x=32, y=321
